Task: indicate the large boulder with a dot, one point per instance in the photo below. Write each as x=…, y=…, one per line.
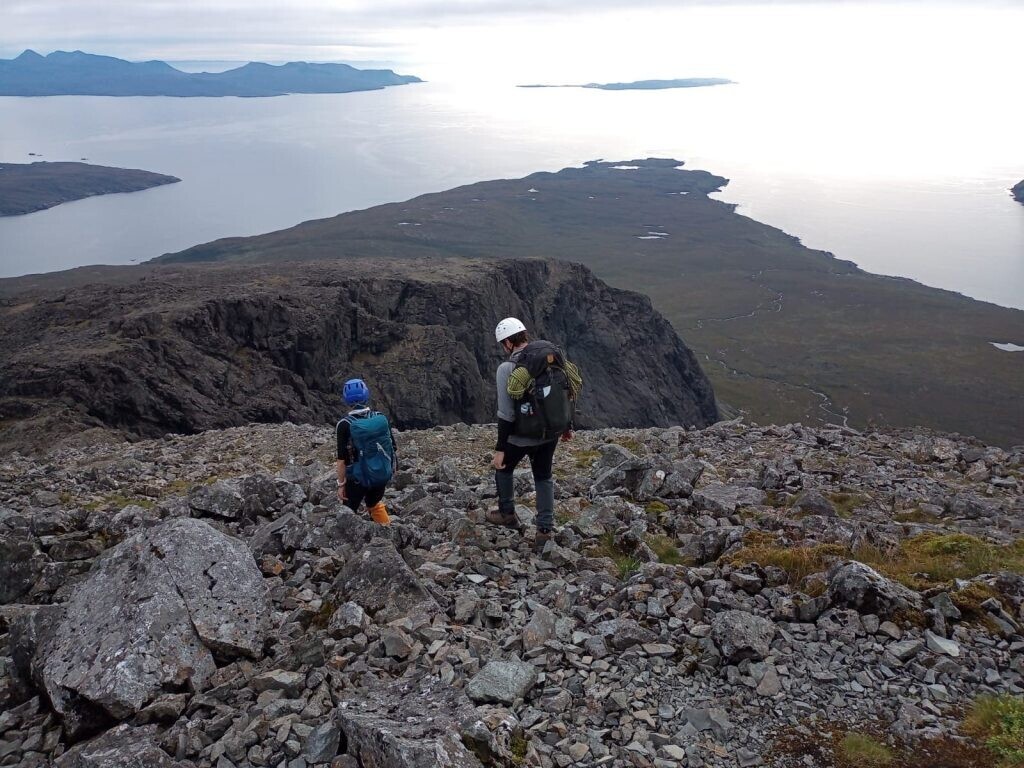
x=858, y=586
x=152, y=615
x=740, y=635
x=381, y=582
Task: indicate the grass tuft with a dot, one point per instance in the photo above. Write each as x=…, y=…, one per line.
x=859, y=749
x=625, y=564
x=797, y=561
x=998, y=722
x=666, y=550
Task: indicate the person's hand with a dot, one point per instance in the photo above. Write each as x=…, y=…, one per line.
x=567, y=435
x=342, y=496
x=498, y=462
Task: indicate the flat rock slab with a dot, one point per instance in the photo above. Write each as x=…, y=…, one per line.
x=722, y=500
x=502, y=682
x=406, y=726
x=121, y=747
x=151, y=615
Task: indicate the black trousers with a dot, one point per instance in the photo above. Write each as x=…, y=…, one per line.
x=355, y=494
x=541, y=457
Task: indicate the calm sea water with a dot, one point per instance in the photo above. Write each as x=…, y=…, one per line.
x=881, y=179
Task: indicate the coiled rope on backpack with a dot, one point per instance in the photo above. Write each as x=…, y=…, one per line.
x=520, y=381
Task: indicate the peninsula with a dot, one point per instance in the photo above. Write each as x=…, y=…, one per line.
x=28, y=187
x=82, y=74
x=785, y=333
x=645, y=85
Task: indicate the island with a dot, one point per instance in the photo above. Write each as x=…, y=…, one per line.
x=784, y=332
x=28, y=187
x=645, y=85
x=83, y=74
x=1018, y=192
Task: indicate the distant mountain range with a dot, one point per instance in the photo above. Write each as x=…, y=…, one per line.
x=83, y=74
x=645, y=85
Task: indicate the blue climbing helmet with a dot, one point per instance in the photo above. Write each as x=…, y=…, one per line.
x=355, y=392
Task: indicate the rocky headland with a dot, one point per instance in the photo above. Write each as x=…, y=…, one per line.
x=784, y=332
x=154, y=349
x=733, y=596
x=28, y=187
x=1018, y=192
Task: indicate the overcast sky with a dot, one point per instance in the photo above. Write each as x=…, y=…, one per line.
x=567, y=39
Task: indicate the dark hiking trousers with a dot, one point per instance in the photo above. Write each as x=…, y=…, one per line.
x=540, y=462
x=356, y=493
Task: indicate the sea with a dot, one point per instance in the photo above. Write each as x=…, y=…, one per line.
x=901, y=180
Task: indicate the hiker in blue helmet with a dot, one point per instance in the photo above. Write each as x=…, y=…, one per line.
x=530, y=423
x=366, y=453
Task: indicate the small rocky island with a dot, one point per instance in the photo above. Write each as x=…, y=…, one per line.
x=28, y=187
x=1018, y=192
x=645, y=85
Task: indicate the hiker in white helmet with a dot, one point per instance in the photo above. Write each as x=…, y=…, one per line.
x=529, y=425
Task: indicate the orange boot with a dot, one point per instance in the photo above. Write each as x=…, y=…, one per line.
x=379, y=514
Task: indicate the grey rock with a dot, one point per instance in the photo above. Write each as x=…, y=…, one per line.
x=21, y=563
x=121, y=747
x=540, y=628
x=292, y=683
x=722, y=500
x=740, y=635
x=321, y=745
x=152, y=614
x=348, y=621
x=502, y=682
x=905, y=649
x=941, y=645
x=858, y=586
x=219, y=499
x=814, y=503
x=380, y=581
x=621, y=634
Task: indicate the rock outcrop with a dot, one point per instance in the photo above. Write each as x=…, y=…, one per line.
x=787, y=577
x=153, y=350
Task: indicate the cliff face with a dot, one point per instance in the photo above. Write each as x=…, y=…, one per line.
x=185, y=349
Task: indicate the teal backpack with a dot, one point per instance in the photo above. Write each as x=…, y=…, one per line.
x=371, y=436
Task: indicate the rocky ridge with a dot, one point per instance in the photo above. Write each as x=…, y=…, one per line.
x=150, y=350
x=258, y=624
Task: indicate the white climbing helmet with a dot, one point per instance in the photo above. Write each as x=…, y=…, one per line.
x=510, y=326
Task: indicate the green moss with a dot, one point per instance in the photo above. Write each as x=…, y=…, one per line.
x=656, y=507
x=859, y=749
x=519, y=745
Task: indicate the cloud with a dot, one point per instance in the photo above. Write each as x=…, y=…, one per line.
x=311, y=29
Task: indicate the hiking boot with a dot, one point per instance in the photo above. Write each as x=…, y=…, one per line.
x=506, y=520
x=379, y=514
x=540, y=540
